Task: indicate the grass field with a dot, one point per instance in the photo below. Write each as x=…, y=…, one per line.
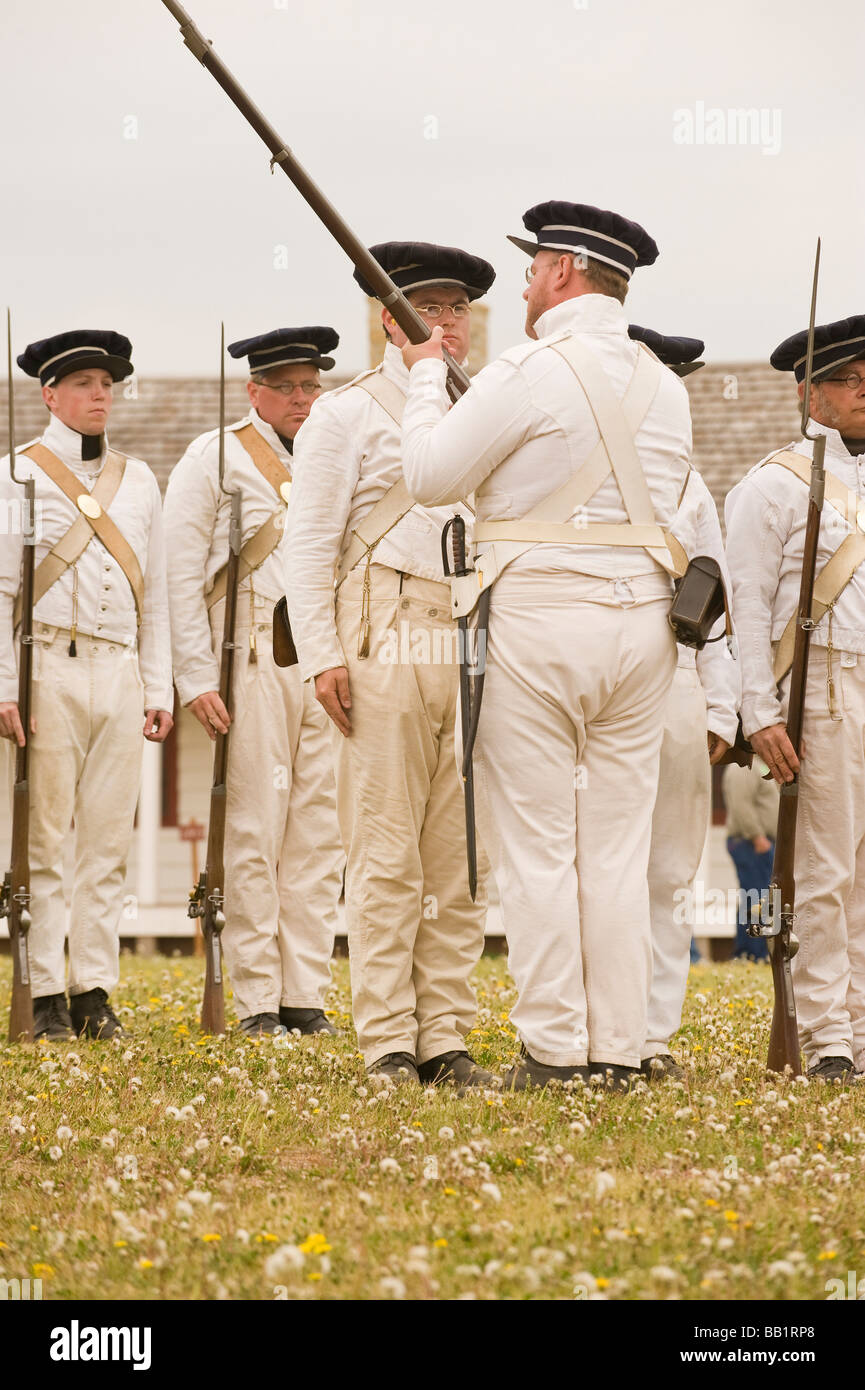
x=176, y=1166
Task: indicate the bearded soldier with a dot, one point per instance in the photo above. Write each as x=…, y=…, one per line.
x=379, y=655
x=283, y=857
x=101, y=670
x=765, y=537
x=580, y=654
x=701, y=709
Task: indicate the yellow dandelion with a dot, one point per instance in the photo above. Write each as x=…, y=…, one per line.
x=312, y=1277
x=710, y=1202
x=315, y=1244
x=43, y=1271
x=450, y=1192
x=743, y=1102
x=602, y=1283
x=211, y=1236
x=145, y=1264
x=828, y=1255
x=440, y=1243
x=732, y=1216
x=120, y=1244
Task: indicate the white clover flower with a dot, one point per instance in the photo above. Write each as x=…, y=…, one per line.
x=127, y=1165
x=184, y=1174
x=584, y=1280
x=491, y=1190
x=236, y=1151
x=242, y=1235
x=172, y=1112
x=200, y=1099
x=16, y=1126
x=200, y=1197
x=664, y=1274
x=285, y=1261
x=604, y=1183
x=48, y=1185
x=64, y=1133
x=108, y=1141
x=202, y=1144
x=685, y=1214
x=183, y=1209
x=55, y=1152
x=392, y=1288
x=780, y=1269
x=365, y=1199
x=446, y=1132
x=263, y=1097
x=389, y=1165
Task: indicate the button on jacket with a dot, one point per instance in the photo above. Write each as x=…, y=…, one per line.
x=766, y=514
x=525, y=427
x=346, y=456
x=106, y=607
x=197, y=519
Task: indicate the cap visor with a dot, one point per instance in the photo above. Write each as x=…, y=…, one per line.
x=686, y=368
x=117, y=367
x=531, y=248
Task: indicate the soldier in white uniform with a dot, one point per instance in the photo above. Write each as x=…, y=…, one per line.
x=283, y=856
x=766, y=515
x=580, y=655
x=700, y=717
x=101, y=670
x=383, y=662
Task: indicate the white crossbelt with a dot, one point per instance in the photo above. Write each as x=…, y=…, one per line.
x=547, y=522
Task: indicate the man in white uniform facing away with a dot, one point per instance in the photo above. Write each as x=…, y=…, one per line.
x=580, y=655
x=700, y=720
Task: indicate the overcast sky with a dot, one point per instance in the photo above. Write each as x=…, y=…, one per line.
x=136, y=198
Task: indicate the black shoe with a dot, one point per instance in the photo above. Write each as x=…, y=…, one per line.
x=662, y=1067
x=51, y=1021
x=262, y=1025
x=529, y=1072
x=93, y=1016
x=832, y=1069
x=399, y=1066
x=454, y=1069
x=306, y=1021
x=609, y=1076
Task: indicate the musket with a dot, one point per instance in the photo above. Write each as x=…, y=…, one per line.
x=776, y=913
x=392, y=298
x=456, y=530
x=207, y=899
x=15, y=892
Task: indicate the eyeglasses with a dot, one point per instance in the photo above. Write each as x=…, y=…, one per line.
x=435, y=311
x=852, y=382
x=288, y=388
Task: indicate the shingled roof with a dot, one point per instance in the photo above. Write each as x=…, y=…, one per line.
x=740, y=412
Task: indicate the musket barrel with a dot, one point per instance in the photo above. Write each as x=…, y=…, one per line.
x=409, y=321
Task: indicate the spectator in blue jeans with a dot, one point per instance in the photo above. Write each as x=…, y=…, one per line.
x=752, y=817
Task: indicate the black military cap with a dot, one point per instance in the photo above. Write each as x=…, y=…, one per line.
x=834, y=344
x=679, y=354
x=284, y=346
x=575, y=227
x=53, y=358
x=414, y=265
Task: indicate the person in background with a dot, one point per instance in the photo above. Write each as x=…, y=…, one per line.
x=752, y=815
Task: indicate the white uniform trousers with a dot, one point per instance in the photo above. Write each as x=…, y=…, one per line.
x=283, y=856
x=85, y=769
x=829, y=967
x=679, y=825
x=414, y=933
x=578, y=670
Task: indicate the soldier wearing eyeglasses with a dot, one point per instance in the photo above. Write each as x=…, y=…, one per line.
x=383, y=665
x=766, y=515
x=283, y=857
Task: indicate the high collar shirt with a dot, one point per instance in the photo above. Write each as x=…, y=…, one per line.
x=197, y=520
x=766, y=515
x=525, y=428
x=347, y=455
x=698, y=530
x=106, y=607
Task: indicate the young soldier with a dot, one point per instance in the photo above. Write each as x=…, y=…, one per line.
x=101, y=670
x=766, y=515
x=701, y=709
x=283, y=858
x=580, y=654
x=414, y=933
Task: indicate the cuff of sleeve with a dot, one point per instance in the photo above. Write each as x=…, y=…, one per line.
x=156, y=698
x=321, y=661
x=429, y=369
x=759, y=713
x=724, y=724
x=190, y=686
x=9, y=692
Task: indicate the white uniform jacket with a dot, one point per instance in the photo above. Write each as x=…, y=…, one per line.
x=346, y=456
x=197, y=517
x=525, y=427
x=766, y=514
x=106, y=607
